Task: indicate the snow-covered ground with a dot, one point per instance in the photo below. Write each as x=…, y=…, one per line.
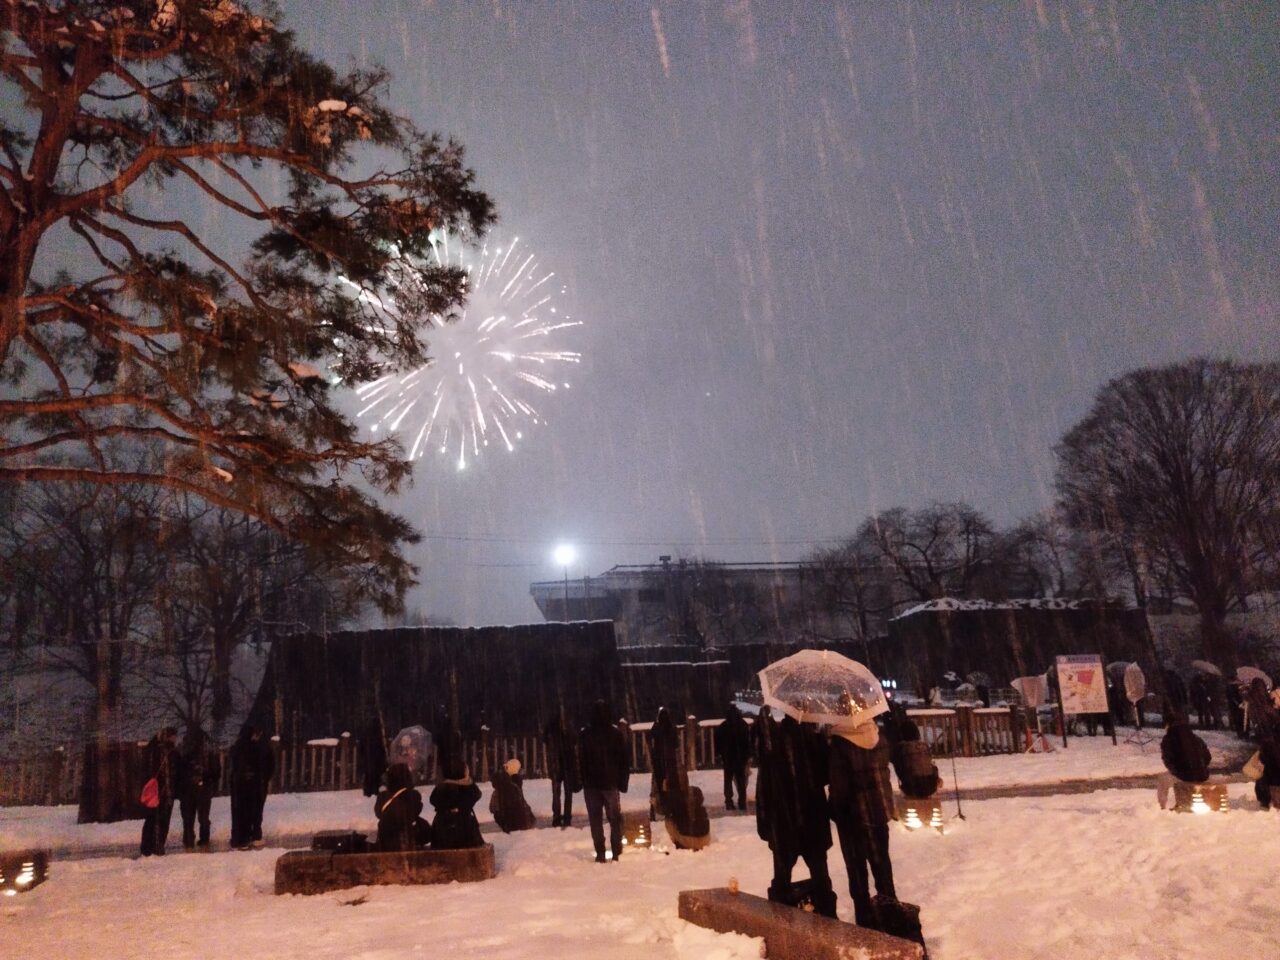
x=303, y=813
x=1083, y=876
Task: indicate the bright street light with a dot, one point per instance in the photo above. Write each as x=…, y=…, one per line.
x=565, y=554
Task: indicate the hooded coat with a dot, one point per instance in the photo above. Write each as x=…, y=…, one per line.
x=511, y=811
x=455, y=826
x=859, y=781
x=398, y=808
x=670, y=778
x=1184, y=754
x=792, y=814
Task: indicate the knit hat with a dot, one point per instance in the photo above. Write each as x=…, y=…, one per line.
x=512, y=767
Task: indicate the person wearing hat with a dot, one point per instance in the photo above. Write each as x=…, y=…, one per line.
x=858, y=771
x=507, y=803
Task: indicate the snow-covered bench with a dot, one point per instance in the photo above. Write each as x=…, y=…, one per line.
x=318, y=871
x=790, y=934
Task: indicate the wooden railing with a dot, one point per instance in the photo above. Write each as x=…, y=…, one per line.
x=54, y=778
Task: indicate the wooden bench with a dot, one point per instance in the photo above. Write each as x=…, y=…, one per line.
x=789, y=933
x=318, y=871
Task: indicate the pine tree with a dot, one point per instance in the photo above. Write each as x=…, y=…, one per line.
x=199, y=223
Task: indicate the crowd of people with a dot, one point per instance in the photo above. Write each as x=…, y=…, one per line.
x=190, y=774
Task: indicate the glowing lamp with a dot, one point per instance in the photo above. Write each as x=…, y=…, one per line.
x=636, y=830
x=564, y=555
x=917, y=813
x=21, y=870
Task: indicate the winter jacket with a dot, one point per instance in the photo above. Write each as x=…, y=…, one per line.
x=199, y=769
x=398, y=812
x=562, y=753
x=1184, y=754
x=791, y=803
x=917, y=773
x=670, y=778
x=602, y=751
x=163, y=763
x=455, y=826
x=1269, y=753
x=733, y=740
x=252, y=764
x=859, y=782
x=373, y=756
x=511, y=811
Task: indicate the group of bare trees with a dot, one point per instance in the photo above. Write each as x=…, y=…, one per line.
x=144, y=596
x=1168, y=489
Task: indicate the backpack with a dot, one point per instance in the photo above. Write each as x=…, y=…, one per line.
x=150, y=796
x=899, y=919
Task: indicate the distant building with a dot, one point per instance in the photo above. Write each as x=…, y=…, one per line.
x=705, y=605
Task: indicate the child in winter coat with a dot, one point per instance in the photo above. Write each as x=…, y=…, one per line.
x=455, y=799
x=399, y=812
x=507, y=804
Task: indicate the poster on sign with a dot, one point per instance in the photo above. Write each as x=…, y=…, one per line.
x=1082, y=684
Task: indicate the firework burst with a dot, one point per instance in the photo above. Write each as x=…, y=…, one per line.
x=486, y=364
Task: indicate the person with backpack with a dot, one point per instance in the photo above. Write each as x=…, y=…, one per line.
x=1186, y=758
x=199, y=770
x=733, y=741
x=158, y=792
x=398, y=808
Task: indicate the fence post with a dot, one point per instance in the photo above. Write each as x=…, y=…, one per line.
x=484, y=754
x=691, y=742
x=345, y=778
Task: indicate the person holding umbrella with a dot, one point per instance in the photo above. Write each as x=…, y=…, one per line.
x=859, y=784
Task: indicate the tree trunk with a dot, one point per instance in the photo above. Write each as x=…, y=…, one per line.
x=1217, y=642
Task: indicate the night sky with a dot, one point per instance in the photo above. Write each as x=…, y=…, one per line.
x=832, y=257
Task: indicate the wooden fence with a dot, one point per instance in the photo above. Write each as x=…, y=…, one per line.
x=54, y=778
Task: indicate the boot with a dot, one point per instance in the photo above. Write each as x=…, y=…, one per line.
x=825, y=904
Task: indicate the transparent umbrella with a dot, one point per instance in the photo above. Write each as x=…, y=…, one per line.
x=1204, y=666
x=818, y=686
x=1249, y=674
x=412, y=747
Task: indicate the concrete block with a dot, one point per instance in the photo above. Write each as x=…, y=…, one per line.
x=318, y=871
x=789, y=933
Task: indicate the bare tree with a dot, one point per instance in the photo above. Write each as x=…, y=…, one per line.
x=944, y=549
x=1180, y=466
x=132, y=124
x=851, y=583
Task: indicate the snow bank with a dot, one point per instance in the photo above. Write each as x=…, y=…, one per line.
x=1069, y=877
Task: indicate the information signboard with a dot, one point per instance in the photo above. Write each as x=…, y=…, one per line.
x=1082, y=684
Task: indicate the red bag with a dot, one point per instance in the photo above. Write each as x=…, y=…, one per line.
x=150, y=796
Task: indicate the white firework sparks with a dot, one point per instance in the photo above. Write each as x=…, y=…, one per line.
x=485, y=364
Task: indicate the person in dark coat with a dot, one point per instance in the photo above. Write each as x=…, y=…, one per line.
x=252, y=766
x=791, y=808
x=1176, y=699
x=859, y=777
x=162, y=765
x=373, y=755
x=605, y=770
x=1186, y=758
x=199, y=770
x=511, y=811
x=670, y=782
x=398, y=808
x=454, y=799
x=917, y=773
x=733, y=740
x=1235, y=709
x=562, y=766
x=1267, y=787
x=1264, y=720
